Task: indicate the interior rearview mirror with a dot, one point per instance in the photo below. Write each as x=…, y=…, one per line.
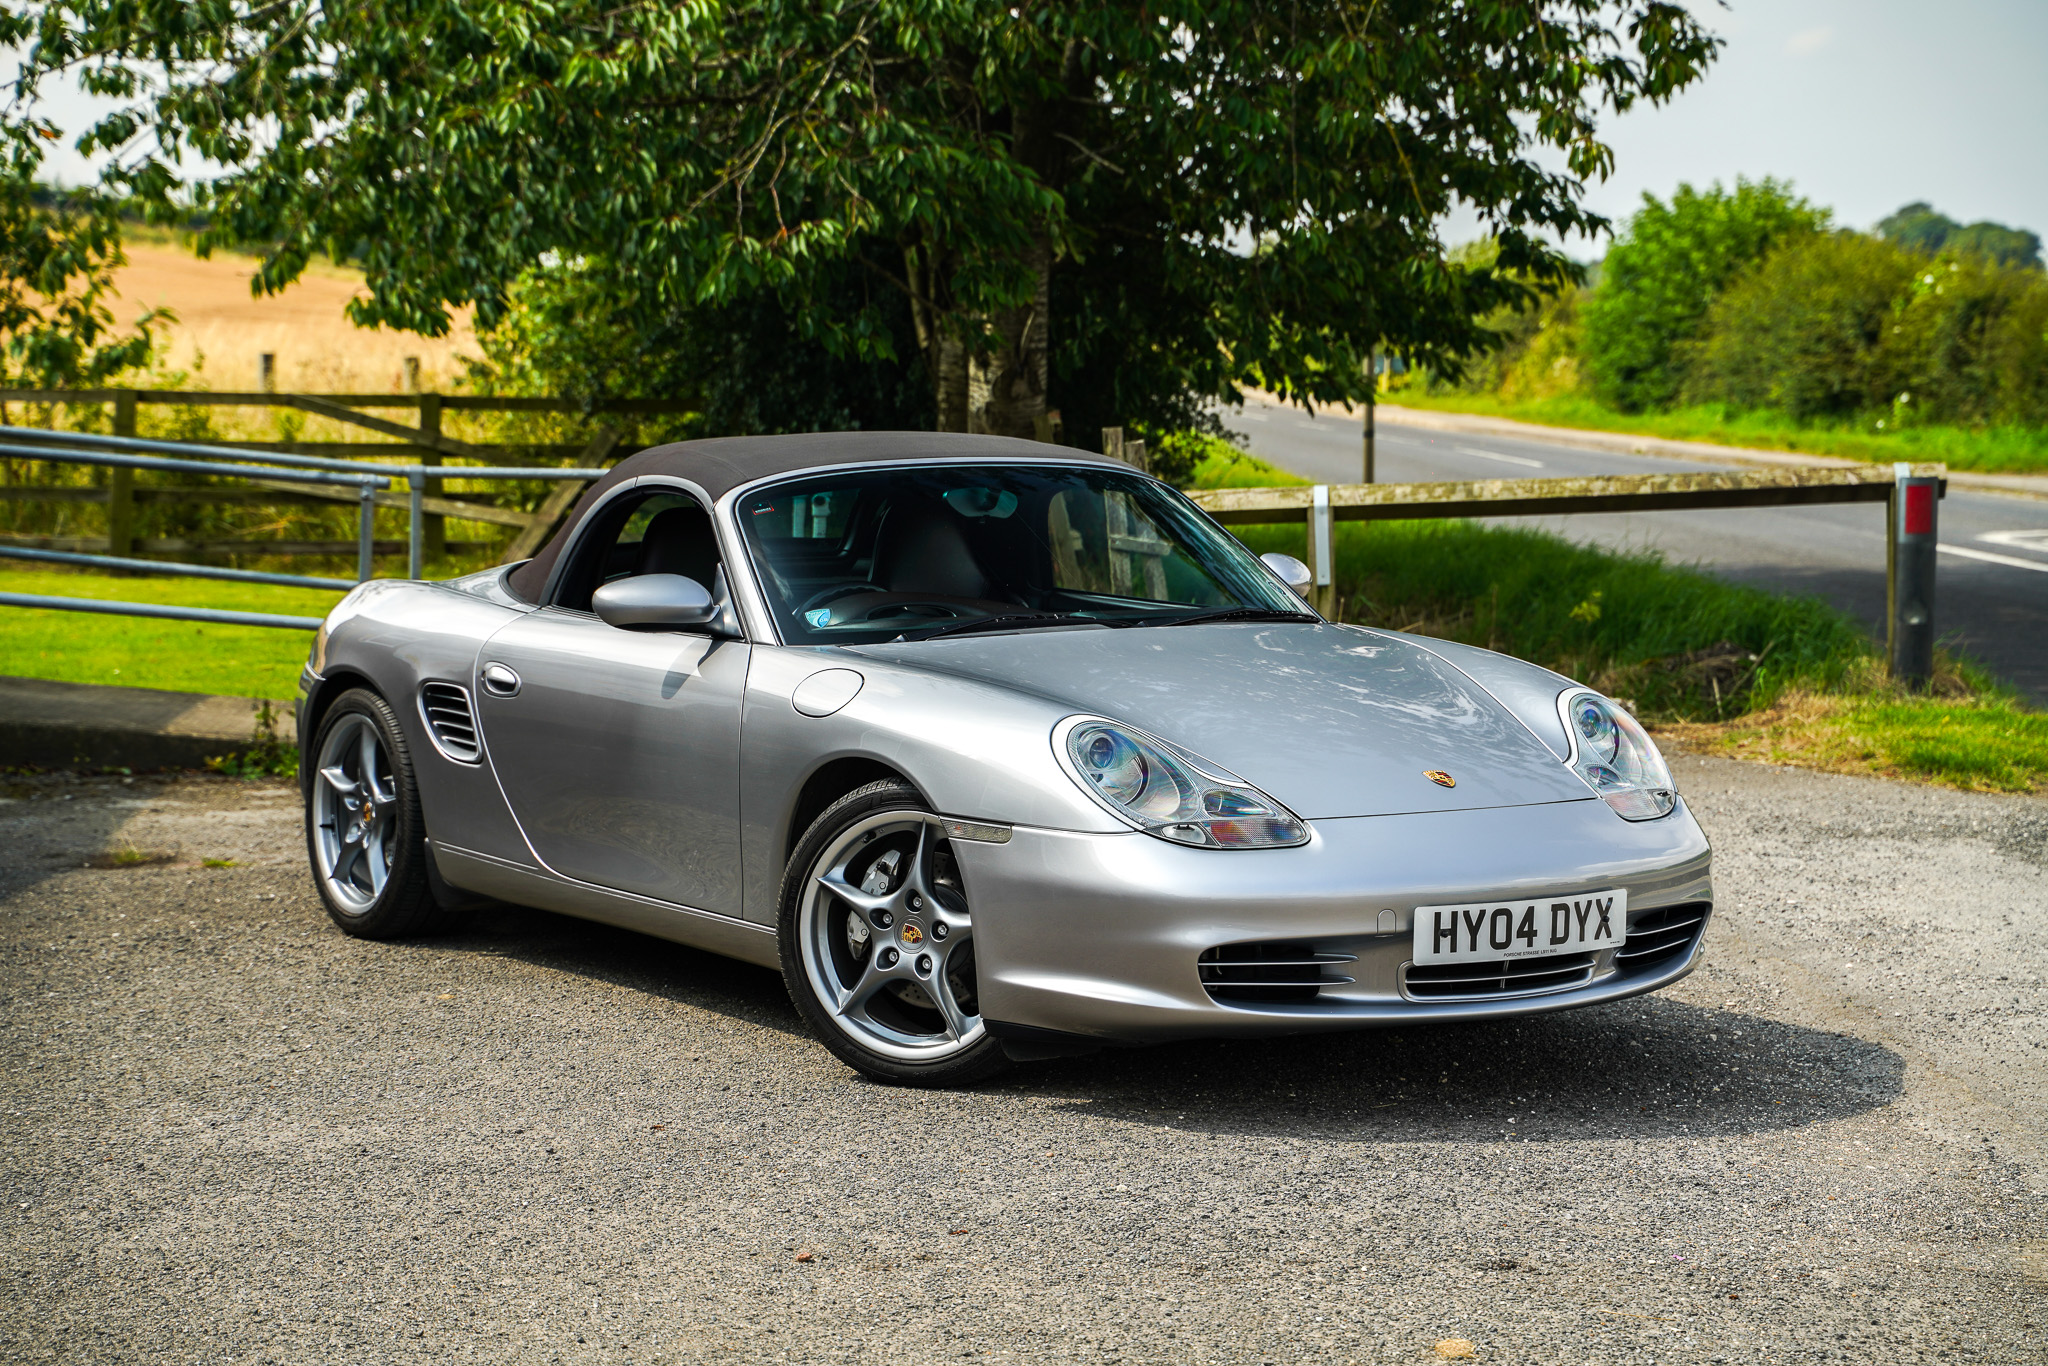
x=1292, y=572
x=652, y=600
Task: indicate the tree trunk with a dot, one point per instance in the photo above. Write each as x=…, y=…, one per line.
x=949, y=362
x=1017, y=370
x=1001, y=391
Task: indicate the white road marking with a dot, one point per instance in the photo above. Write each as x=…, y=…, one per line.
x=2023, y=540
x=1496, y=455
x=1254, y=417
x=1987, y=557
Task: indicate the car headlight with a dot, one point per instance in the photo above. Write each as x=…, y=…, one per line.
x=1616, y=757
x=1165, y=791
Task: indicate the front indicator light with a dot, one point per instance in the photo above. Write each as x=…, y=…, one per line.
x=1167, y=792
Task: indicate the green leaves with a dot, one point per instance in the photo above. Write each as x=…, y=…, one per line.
x=1266, y=179
x=1663, y=273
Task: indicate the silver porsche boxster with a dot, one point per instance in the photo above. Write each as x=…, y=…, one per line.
x=996, y=750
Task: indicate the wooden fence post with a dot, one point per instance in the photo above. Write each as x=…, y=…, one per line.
x=434, y=545
x=121, y=483
x=266, y=372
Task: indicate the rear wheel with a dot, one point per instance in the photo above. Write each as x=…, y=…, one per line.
x=364, y=832
x=878, y=942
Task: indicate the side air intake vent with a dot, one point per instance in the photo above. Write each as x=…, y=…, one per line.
x=1269, y=973
x=453, y=724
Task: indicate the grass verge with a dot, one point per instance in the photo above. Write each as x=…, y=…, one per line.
x=1990, y=450
x=1716, y=667
x=141, y=652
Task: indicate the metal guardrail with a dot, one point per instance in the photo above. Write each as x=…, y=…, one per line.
x=152, y=609
x=171, y=568
x=262, y=468
x=1911, y=492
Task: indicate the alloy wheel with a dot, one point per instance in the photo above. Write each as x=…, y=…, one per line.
x=355, y=809
x=887, y=940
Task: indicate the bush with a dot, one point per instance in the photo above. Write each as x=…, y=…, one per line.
x=1803, y=333
x=1662, y=274
x=1969, y=344
x=1846, y=325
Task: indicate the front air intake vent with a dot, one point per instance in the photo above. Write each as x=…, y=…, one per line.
x=1665, y=933
x=450, y=720
x=1505, y=977
x=1269, y=973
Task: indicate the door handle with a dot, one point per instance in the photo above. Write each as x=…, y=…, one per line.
x=500, y=681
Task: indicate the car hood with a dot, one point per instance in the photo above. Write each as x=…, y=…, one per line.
x=1331, y=720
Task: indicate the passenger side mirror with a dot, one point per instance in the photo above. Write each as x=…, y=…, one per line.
x=1292, y=572
x=655, y=600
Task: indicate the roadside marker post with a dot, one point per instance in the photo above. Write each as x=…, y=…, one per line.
x=1322, y=551
x=1910, y=553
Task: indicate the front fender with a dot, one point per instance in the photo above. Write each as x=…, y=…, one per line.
x=976, y=751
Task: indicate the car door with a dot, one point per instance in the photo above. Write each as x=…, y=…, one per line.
x=617, y=750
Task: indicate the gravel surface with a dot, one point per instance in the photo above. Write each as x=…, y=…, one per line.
x=234, y=1135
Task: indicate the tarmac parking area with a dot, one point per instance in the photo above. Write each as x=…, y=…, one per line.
x=235, y=1135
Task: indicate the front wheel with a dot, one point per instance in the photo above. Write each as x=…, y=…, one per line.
x=364, y=831
x=878, y=942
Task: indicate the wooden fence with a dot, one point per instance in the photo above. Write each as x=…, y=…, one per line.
x=423, y=442
x=1909, y=491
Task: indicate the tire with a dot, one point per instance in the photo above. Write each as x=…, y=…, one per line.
x=878, y=942
x=373, y=875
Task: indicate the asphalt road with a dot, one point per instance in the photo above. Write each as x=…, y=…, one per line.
x=236, y=1136
x=1992, y=592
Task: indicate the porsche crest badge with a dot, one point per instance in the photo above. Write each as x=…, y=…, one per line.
x=1439, y=777
x=912, y=935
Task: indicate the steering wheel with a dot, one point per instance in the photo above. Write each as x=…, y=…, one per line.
x=825, y=595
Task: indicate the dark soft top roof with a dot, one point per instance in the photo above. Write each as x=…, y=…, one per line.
x=724, y=463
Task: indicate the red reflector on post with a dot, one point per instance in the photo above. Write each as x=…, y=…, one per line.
x=1919, y=509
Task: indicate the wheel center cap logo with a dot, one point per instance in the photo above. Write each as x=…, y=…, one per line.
x=1439, y=777
x=912, y=935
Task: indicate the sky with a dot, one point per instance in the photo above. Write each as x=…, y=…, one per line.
x=1864, y=105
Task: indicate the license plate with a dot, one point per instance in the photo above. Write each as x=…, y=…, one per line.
x=1493, y=930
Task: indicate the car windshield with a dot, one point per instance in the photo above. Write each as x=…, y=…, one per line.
x=859, y=557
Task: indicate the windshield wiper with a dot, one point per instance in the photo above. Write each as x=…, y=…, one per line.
x=1007, y=620
x=1241, y=614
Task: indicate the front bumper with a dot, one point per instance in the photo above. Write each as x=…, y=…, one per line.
x=1102, y=935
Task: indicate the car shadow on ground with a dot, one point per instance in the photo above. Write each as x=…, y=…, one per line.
x=626, y=959
x=1651, y=1067
x=1647, y=1067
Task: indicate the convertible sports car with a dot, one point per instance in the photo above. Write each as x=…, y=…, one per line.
x=997, y=750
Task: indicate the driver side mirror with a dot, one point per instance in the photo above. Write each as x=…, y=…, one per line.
x=654, y=600
x=1292, y=572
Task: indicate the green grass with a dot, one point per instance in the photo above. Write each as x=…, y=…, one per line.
x=1711, y=665
x=1990, y=450
x=1625, y=622
x=184, y=656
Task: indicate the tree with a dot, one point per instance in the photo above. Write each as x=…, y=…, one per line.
x=1917, y=227
x=1663, y=272
x=1267, y=176
x=58, y=253
x=1804, y=332
x=572, y=328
